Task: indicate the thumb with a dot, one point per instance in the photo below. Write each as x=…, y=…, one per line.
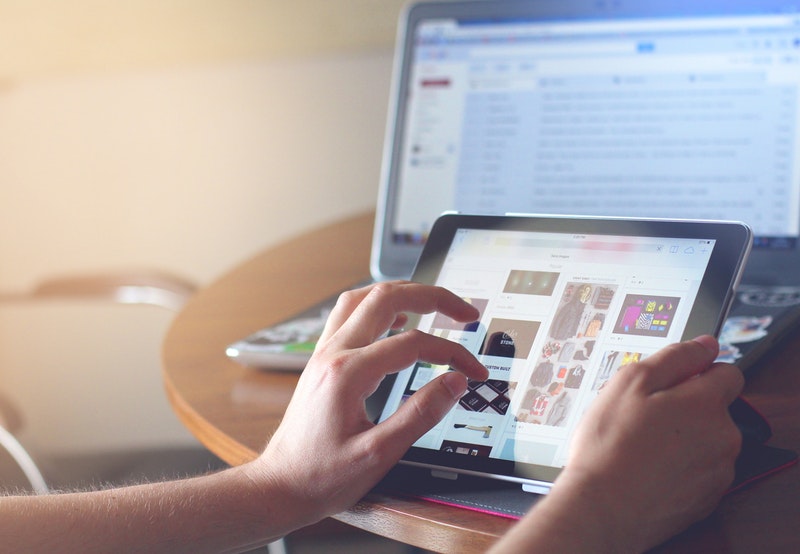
x=424, y=409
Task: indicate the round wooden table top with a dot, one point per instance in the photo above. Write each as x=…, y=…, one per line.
x=233, y=410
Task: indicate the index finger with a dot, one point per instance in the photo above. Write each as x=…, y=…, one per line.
x=379, y=306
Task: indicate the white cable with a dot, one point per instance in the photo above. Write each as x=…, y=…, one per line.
x=24, y=461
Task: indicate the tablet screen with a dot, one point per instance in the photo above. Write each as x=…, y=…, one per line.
x=564, y=304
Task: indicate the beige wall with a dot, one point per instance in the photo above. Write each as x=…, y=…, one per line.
x=190, y=169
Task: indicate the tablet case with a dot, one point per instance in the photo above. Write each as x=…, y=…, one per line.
x=505, y=499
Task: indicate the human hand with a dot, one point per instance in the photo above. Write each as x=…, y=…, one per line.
x=653, y=454
x=327, y=454
x=323, y=457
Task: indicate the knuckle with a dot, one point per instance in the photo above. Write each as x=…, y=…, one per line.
x=410, y=341
x=425, y=414
x=374, y=452
x=333, y=364
x=381, y=297
x=348, y=298
x=372, y=448
x=637, y=375
x=415, y=335
x=382, y=290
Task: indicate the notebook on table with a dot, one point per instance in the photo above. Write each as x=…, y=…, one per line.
x=670, y=109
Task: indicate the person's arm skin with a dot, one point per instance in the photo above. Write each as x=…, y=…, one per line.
x=654, y=453
x=322, y=459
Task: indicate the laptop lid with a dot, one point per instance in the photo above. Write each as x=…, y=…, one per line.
x=646, y=109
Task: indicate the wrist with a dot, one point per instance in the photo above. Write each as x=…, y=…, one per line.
x=276, y=494
x=575, y=517
x=593, y=517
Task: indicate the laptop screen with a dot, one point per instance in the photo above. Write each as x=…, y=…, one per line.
x=656, y=109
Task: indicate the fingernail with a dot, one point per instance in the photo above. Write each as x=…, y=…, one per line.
x=455, y=383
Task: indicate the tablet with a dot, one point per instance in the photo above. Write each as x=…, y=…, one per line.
x=564, y=303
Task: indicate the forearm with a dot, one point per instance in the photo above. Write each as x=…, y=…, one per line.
x=653, y=454
x=326, y=454
x=219, y=513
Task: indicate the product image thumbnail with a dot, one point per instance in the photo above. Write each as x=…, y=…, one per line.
x=539, y=283
x=645, y=315
x=510, y=338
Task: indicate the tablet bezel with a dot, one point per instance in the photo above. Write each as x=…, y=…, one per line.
x=715, y=294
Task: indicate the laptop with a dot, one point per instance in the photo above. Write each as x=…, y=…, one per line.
x=664, y=109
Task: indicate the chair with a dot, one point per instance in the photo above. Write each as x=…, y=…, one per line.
x=132, y=287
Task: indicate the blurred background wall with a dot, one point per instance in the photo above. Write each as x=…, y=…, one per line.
x=181, y=135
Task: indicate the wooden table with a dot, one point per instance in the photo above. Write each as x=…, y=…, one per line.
x=233, y=410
